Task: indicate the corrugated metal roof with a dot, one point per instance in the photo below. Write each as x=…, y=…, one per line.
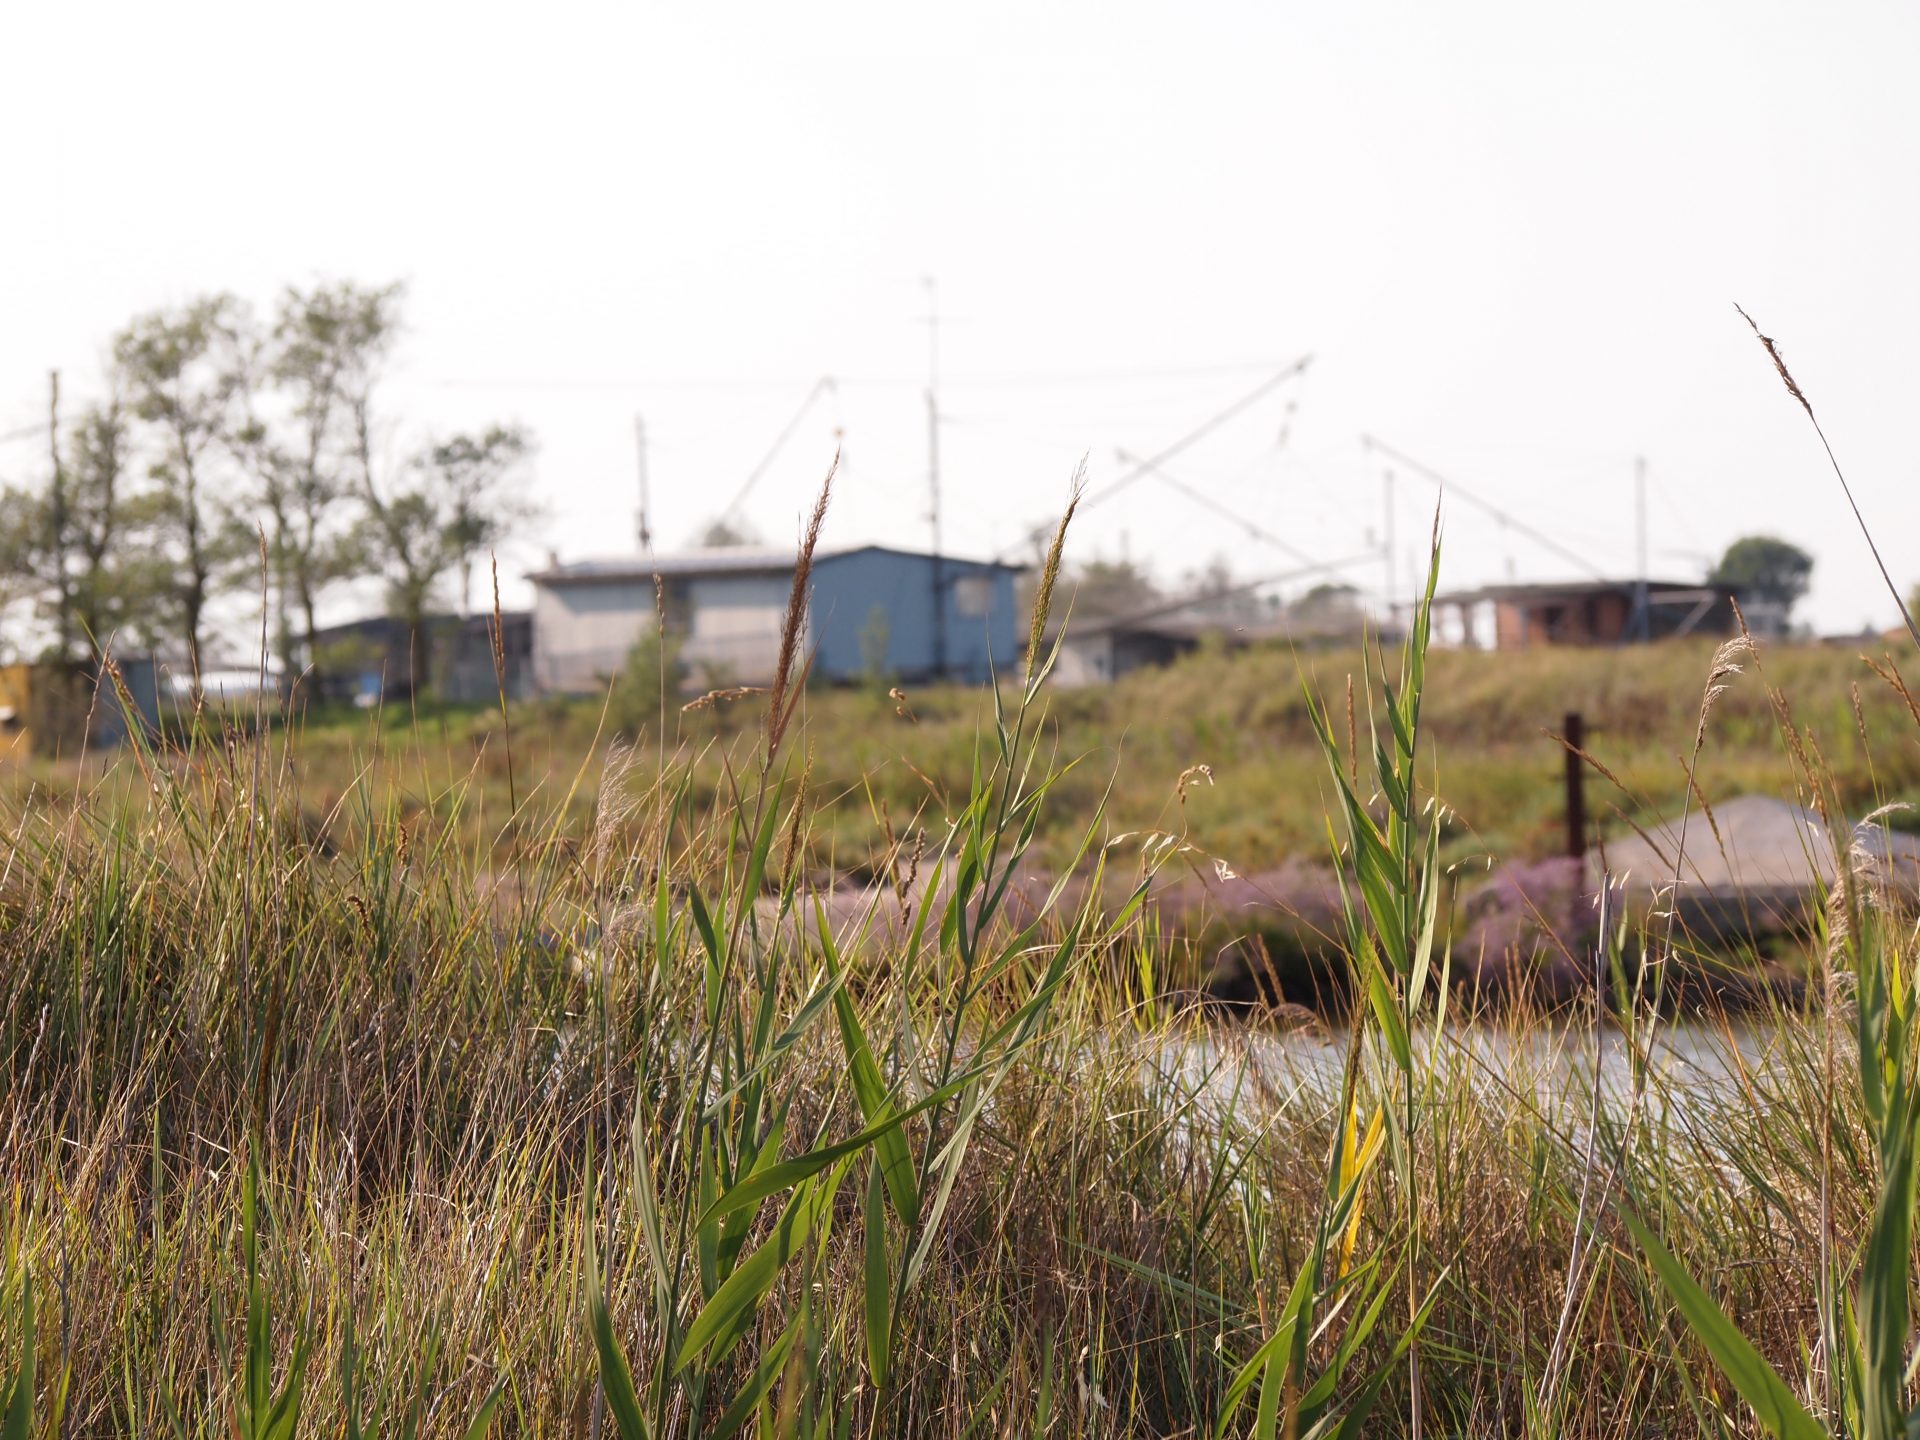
x=722, y=560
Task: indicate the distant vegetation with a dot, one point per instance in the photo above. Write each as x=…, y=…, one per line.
x=225, y=454
x=1242, y=714
x=1764, y=570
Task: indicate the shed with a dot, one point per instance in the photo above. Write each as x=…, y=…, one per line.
x=1584, y=612
x=875, y=611
x=1101, y=650
x=370, y=659
x=53, y=709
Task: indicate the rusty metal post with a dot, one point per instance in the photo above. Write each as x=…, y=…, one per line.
x=1575, y=733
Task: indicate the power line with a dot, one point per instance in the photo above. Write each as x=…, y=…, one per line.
x=1206, y=501
x=1241, y=587
x=25, y=432
x=776, y=382
x=1194, y=436
x=825, y=385
x=1505, y=517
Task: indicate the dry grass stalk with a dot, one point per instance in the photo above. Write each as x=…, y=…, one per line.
x=796, y=819
x=718, y=697
x=1050, y=574
x=780, y=712
x=1587, y=758
x=1726, y=665
x=1793, y=389
x=497, y=629
x=616, y=803
x=1897, y=682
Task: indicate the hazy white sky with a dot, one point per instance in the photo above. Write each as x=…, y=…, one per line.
x=1510, y=235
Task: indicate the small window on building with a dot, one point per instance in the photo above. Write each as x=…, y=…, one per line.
x=973, y=595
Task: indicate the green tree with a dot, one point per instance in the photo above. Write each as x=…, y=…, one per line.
x=184, y=378
x=648, y=683
x=876, y=637
x=1111, y=587
x=326, y=353
x=724, y=532
x=1765, y=569
x=448, y=506
x=36, y=541
x=65, y=547
x=22, y=531
x=1329, y=597
x=113, y=585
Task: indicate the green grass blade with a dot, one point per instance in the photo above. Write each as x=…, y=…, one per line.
x=878, y=1280
x=283, y=1419
x=756, y=1187
x=758, y=1385
x=616, y=1378
x=1759, y=1384
x=1273, y=1384
x=19, y=1414
x=483, y=1417
x=870, y=1089
x=741, y=1292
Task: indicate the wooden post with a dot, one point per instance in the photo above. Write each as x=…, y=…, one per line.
x=1575, y=733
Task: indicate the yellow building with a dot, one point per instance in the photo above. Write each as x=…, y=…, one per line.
x=54, y=711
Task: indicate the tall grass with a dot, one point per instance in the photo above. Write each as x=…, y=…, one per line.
x=1862, y=1375
x=609, y=1127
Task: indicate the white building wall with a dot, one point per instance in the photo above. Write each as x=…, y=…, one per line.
x=733, y=628
x=1084, y=660
x=582, y=633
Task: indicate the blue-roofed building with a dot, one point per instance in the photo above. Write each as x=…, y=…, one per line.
x=873, y=613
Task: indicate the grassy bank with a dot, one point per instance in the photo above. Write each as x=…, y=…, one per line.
x=510, y=1100
x=880, y=767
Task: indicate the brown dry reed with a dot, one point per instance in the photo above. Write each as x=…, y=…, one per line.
x=1793, y=389
x=793, y=627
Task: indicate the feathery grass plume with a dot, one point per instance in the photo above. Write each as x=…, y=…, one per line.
x=1898, y=684
x=780, y=710
x=615, y=804
x=1050, y=572
x=1726, y=665
x=1353, y=735
x=796, y=820
x=1793, y=389
x=714, y=698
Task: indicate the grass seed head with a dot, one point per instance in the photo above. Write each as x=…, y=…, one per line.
x=1050, y=572
x=781, y=709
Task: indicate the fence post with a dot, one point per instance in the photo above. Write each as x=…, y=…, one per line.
x=1575, y=733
